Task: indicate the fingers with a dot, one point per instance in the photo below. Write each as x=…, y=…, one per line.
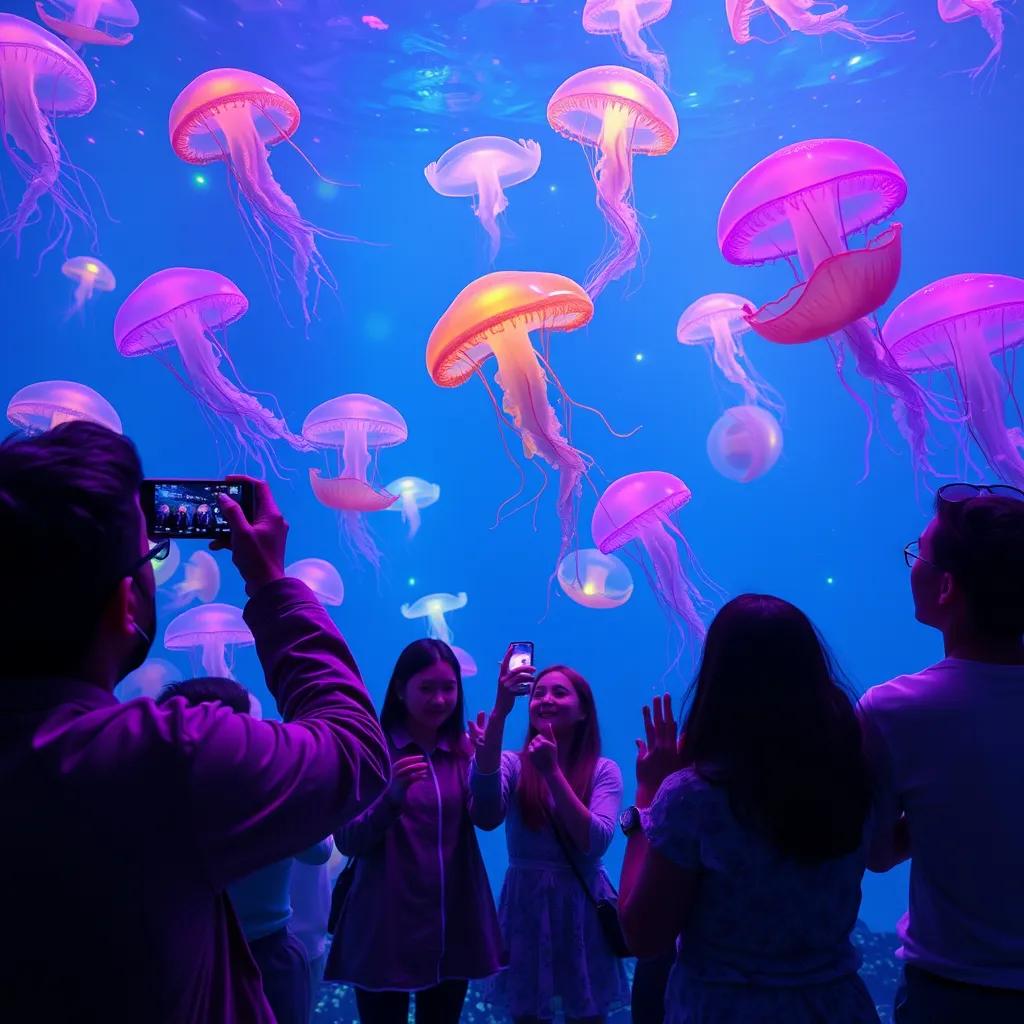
x=232, y=513
x=649, y=726
x=413, y=759
x=263, y=504
x=550, y=733
x=641, y=748
x=481, y=719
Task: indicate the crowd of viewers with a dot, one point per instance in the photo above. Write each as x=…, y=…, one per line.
x=165, y=861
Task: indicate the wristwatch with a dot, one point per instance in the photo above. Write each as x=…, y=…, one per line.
x=629, y=821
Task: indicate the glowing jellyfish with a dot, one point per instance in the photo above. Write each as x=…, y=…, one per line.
x=184, y=308
x=484, y=167
x=467, y=663
x=959, y=325
x=799, y=16
x=494, y=316
x=807, y=200
x=988, y=12
x=211, y=632
x=719, y=321
x=639, y=507
x=594, y=579
x=413, y=494
x=38, y=407
x=90, y=22
x=616, y=112
x=625, y=19
x=41, y=79
x=90, y=275
x=433, y=608
x=321, y=577
x=355, y=425
x=147, y=680
x=235, y=116
x=201, y=582
x=744, y=443
x=165, y=568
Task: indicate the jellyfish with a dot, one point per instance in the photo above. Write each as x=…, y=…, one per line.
x=594, y=579
x=185, y=308
x=41, y=79
x=639, y=507
x=625, y=19
x=798, y=16
x=210, y=632
x=617, y=112
x=467, y=663
x=321, y=577
x=91, y=275
x=235, y=116
x=38, y=407
x=806, y=200
x=484, y=167
x=433, y=608
x=165, y=568
x=94, y=22
x=201, y=582
x=744, y=443
x=720, y=321
x=147, y=680
x=494, y=316
x=413, y=494
x=960, y=323
x=988, y=12
x=355, y=425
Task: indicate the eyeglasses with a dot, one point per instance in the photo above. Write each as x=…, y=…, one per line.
x=912, y=554
x=954, y=493
x=157, y=553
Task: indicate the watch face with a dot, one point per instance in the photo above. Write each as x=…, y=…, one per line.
x=629, y=820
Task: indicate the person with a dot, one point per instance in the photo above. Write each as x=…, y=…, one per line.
x=650, y=980
x=419, y=916
x=261, y=900
x=747, y=841
x=123, y=823
x=181, y=519
x=948, y=763
x=558, y=953
x=311, y=905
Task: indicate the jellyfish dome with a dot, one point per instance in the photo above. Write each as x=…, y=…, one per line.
x=988, y=13
x=201, y=582
x=90, y=22
x=321, y=577
x=744, y=443
x=433, y=608
x=594, y=579
x=639, y=507
x=625, y=19
x=484, y=167
x=969, y=324
x=615, y=112
x=90, y=275
x=467, y=663
x=185, y=309
x=165, y=568
x=41, y=79
x=147, y=680
x=38, y=407
x=413, y=494
x=210, y=632
x=800, y=16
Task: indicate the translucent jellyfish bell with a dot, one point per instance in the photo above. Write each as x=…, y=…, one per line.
x=91, y=275
x=321, y=577
x=433, y=608
x=467, y=664
x=210, y=632
x=744, y=443
x=801, y=16
x=201, y=582
x=90, y=22
x=165, y=568
x=625, y=19
x=413, y=494
x=147, y=680
x=594, y=579
x=38, y=407
x=988, y=13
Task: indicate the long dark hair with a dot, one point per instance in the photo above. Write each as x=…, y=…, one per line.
x=772, y=722
x=420, y=655
x=584, y=750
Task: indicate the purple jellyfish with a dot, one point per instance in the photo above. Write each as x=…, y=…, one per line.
x=594, y=579
x=625, y=19
x=38, y=407
x=185, y=308
x=989, y=13
x=484, y=167
x=959, y=324
x=91, y=275
x=413, y=494
x=433, y=608
x=321, y=577
x=93, y=22
x=210, y=632
x=467, y=663
x=798, y=16
x=355, y=425
x=147, y=680
x=744, y=443
x=201, y=582
x=41, y=79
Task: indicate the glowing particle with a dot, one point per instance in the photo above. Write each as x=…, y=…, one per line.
x=639, y=357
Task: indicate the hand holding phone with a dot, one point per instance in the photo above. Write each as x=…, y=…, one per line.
x=516, y=676
x=191, y=509
x=257, y=540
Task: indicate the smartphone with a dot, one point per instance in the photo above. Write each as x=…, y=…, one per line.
x=189, y=509
x=520, y=655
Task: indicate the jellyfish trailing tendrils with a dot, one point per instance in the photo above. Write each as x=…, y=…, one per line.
x=210, y=632
x=434, y=608
x=801, y=16
x=37, y=408
x=625, y=19
x=989, y=13
x=91, y=275
x=90, y=22
x=413, y=494
x=201, y=582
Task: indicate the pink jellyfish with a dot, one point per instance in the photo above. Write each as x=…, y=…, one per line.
x=988, y=12
x=800, y=16
x=41, y=79
x=625, y=19
x=807, y=200
x=90, y=276
x=93, y=22
x=165, y=568
x=719, y=321
x=960, y=324
x=639, y=507
x=321, y=577
x=201, y=582
x=355, y=425
x=594, y=579
x=744, y=443
x=484, y=167
x=433, y=608
x=413, y=494
x=211, y=632
x=617, y=112
x=467, y=663
x=38, y=407
x=185, y=308
x=147, y=680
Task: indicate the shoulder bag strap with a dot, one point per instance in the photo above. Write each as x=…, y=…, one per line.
x=570, y=859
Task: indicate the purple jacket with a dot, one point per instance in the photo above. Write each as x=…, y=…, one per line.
x=123, y=823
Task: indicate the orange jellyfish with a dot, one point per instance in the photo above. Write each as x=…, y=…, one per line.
x=91, y=276
x=615, y=112
x=494, y=316
x=744, y=443
x=594, y=579
x=625, y=19
x=93, y=22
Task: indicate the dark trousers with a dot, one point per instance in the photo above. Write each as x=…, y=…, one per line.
x=283, y=962
x=925, y=998
x=647, y=1003
x=441, y=1004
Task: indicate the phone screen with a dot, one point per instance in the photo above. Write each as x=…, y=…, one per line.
x=189, y=508
x=520, y=654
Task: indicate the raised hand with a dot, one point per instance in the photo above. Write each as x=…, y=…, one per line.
x=512, y=683
x=543, y=751
x=478, y=729
x=404, y=772
x=257, y=547
x=659, y=755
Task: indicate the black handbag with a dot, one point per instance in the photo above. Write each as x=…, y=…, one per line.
x=342, y=885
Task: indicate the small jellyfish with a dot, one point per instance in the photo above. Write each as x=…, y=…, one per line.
x=744, y=443
x=38, y=407
x=41, y=79
x=719, y=322
x=185, y=309
x=355, y=425
x=989, y=13
x=201, y=582
x=165, y=568
x=321, y=577
x=433, y=608
x=467, y=664
x=90, y=275
x=210, y=632
x=147, y=680
x=798, y=16
x=594, y=579
x=625, y=19
x=90, y=22
x=413, y=494
x=484, y=167
x=614, y=112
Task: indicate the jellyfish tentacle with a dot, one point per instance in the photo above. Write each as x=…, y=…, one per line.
x=411, y=514
x=629, y=28
x=214, y=659
x=673, y=586
x=491, y=201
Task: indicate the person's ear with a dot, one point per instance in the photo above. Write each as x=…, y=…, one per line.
x=119, y=614
x=947, y=589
